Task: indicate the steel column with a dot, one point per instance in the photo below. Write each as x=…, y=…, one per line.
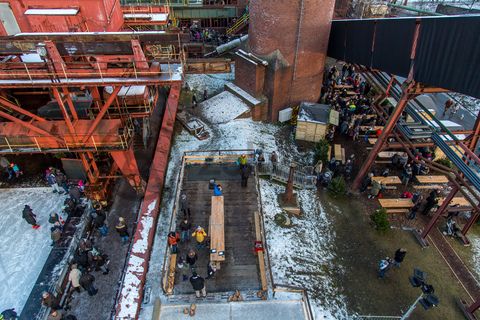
x=470, y=222
x=66, y=116
x=127, y=164
x=102, y=112
x=392, y=121
x=71, y=106
x=474, y=306
x=439, y=212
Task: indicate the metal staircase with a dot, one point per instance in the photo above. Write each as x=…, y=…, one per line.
x=303, y=177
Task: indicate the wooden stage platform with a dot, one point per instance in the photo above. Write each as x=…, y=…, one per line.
x=240, y=268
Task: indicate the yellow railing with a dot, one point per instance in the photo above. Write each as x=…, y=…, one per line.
x=238, y=24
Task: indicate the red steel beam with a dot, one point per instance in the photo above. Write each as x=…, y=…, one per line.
x=131, y=295
x=439, y=212
x=392, y=121
x=18, y=109
x=102, y=112
x=66, y=116
x=470, y=222
x=29, y=126
x=71, y=106
x=127, y=164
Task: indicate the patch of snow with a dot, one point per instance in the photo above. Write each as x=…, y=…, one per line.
x=475, y=245
x=470, y=103
x=31, y=57
x=213, y=83
x=24, y=250
x=130, y=288
x=222, y=108
x=149, y=16
x=52, y=12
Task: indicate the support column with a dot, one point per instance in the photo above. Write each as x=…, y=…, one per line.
x=438, y=213
x=288, y=195
x=127, y=164
x=470, y=223
x=392, y=121
x=469, y=310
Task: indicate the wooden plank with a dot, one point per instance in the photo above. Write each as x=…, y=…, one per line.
x=432, y=179
x=383, y=161
x=389, y=154
x=171, y=273
x=461, y=201
x=429, y=186
x=400, y=210
x=329, y=153
x=396, y=203
x=260, y=255
x=343, y=156
x=338, y=152
x=216, y=227
x=388, y=180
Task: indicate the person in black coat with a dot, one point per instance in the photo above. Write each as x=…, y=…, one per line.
x=399, y=256
x=30, y=217
x=198, y=284
x=86, y=281
x=245, y=173
x=122, y=230
x=9, y=314
x=99, y=222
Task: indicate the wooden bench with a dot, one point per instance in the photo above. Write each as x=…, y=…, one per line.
x=369, y=128
x=171, y=273
x=396, y=203
x=260, y=254
x=387, y=180
x=339, y=153
x=343, y=86
x=456, y=201
x=432, y=179
x=216, y=230
x=429, y=186
x=399, y=210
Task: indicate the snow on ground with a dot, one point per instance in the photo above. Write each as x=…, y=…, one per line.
x=24, y=250
x=469, y=103
x=213, y=83
x=475, y=243
x=214, y=109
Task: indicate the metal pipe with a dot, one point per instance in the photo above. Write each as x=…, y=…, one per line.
x=228, y=46
x=399, y=6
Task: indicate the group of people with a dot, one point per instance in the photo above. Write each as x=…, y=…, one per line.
x=386, y=264
x=12, y=169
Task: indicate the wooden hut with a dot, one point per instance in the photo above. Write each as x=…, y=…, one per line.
x=313, y=121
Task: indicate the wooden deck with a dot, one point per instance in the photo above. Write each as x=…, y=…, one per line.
x=240, y=268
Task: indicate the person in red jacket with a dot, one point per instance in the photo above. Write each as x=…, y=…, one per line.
x=173, y=238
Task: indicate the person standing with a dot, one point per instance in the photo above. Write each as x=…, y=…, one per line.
x=205, y=95
x=50, y=301
x=198, y=284
x=191, y=259
x=399, y=256
x=194, y=101
x=274, y=160
x=242, y=160
x=448, y=105
x=407, y=174
x=74, y=277
x=184, y=205
x=185, y=227
x=122, y=230
x=55, y=315
x=52, y=181
x=56, y=233
x=9, y=314
x=383, y=267
x=86, y=281
x=61, y=180
x=99, y=221
x=30, y=217
x=173, y=238
x=245, y=173
x=431, y=201
x=200, y=236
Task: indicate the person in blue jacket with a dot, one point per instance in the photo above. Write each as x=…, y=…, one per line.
x=217, y=190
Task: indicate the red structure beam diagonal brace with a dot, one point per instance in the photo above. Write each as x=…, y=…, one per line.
x=4, y=102
x=102, y=112
x=30, y=126
x=439, y=212
x=139, y=59
x=470, y=222
x=127, y=164
x=131, y=294
x=392, y=121
x=65, y=114
x=71, y=106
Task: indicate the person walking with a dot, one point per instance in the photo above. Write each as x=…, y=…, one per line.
x=122, y=230
x=198, y=284
x=52, y=181
x=184, y=205
x=191, y=259
x=245, y=173
x=407, y=174
x=61, y=180
x=242, y=160
x=173, y=238
x=200, y=236
x=205, y=95
x=55, y=315
x=448, y=105
x=99, y=221
x=431, y=202
x=399, y=256
x=185, y=227
x=86, y=281
x=30, y=217
x=9, y=314
x=56, y=233
x=74, y=278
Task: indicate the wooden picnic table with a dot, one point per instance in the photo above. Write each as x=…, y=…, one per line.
x=343, y=86
x=460, y=201
x=370, y=128
x=396, y=203
x=339, y=153
x=217, y=232
x=432, y=179
x=390, y=154
x=388, y=180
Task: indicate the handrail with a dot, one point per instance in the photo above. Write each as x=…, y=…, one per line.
x=240, y=22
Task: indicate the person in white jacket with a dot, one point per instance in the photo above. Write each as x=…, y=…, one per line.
x=74, y=278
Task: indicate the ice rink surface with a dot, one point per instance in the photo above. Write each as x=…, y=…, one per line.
x=23, y=250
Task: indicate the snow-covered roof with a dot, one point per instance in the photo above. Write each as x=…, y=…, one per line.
x=52, y=12
x=31, y=57
x=314, y=112
x=150, y=16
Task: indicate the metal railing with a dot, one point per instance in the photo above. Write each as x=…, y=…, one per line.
x=303, y=177
x=242, y=21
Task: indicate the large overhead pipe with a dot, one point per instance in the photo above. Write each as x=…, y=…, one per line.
x=228, y=46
